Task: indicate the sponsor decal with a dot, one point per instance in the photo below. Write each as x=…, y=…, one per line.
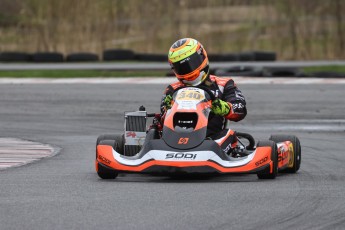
x=292, y=153
x=183, y=141
x=260, y=162
x=226, y=150
x=215, y=93
x=282, y=153
x=131, y=134
x=190, y=95
x=134, y=138
x=239, y=95
x=199, y=50
x=236, y=106
x=185, y=156
x=103, y=159
x=184, y=60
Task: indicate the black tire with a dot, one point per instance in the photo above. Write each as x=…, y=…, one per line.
x=106, y=137
x=221, y=72
x=246, y=56
x=82, y=57
x=106, y=173
x=282, y=72
x=15, y=57
x=215, y=57
x=247, y=74
x=240, y=71
x=114, y=140
x=229, y=57
x=264, y=56
x=274, y=157
x=151, y=57
x=47, y=57
x=296, y=148
x=118, y=55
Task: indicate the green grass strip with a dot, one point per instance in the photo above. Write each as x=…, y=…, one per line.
x=123, y=73
x=331, y=68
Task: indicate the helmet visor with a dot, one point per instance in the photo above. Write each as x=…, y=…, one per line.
x=188, y=64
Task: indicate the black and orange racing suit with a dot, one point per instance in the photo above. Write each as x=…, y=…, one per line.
x=225, y=89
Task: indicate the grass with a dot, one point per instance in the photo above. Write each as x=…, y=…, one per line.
x=331, y=68
x=123, y=73
x=242, y=26
x=79, y=73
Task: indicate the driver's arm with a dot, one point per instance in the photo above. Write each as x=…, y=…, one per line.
x=166, y=99
x=236, y=100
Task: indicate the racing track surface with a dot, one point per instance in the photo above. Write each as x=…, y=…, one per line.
x=64, y=192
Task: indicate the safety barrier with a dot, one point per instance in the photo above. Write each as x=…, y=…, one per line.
x=127, y=55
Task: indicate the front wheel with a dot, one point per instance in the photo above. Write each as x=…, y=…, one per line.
x=116, y=142
x=274, y=157
x=104, y=172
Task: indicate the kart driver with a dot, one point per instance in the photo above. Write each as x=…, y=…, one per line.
x=188, y=59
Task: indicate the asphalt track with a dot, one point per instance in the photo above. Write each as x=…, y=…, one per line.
x=64, y=192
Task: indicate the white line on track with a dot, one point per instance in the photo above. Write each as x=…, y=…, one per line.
x=167, y=80
x=16, y=152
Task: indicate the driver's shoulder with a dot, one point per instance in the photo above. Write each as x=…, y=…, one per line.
x=172, y=87
x=176, y=85
x=221, y=81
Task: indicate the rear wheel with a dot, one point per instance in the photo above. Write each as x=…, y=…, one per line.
x=297, y=157
x=274, y=158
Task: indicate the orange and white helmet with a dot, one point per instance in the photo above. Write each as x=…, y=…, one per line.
x=188, y=59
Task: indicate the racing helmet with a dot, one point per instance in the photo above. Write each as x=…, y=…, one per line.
x=188, y=59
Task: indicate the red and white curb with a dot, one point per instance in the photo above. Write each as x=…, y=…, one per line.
x=16, y=152
x=168, y=80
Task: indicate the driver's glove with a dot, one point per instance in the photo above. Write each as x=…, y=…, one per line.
x=220, y=107
x=167, y=101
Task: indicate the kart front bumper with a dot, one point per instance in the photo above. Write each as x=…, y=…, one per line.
x=162, y=162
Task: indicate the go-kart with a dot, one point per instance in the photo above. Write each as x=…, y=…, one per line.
x=180, y=145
